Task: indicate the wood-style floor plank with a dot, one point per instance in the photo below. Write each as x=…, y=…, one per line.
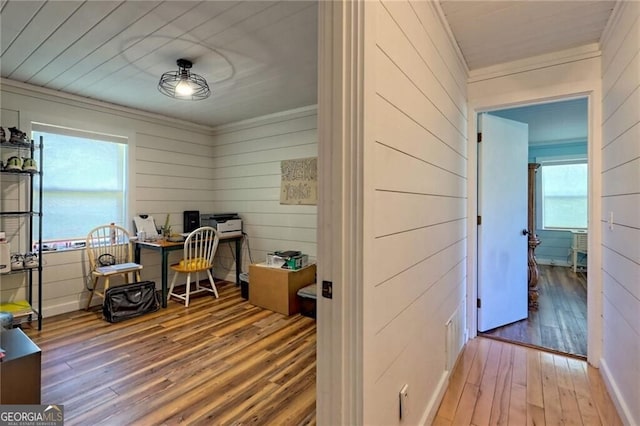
x=219, y=361
x=530, y=387
x=560, y=323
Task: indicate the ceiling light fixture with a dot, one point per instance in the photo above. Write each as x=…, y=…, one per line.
x=183, y=84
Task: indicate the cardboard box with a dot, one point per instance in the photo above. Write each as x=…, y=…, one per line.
x=276, y=289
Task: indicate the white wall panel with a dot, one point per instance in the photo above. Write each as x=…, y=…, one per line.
x=622, y=180
x=621, y=197
x=625, y=301
x=625, y=116
x=246, y=180
x=164, y=153
x=415, y=202
x=622, y=149
x=416, y=140
x=396, y=171
x=621, y=190
x=619, y=49
x=626, y=208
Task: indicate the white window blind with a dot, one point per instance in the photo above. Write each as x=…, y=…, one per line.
x=564, y=195
x=84, y=182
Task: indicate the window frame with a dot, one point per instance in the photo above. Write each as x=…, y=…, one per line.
x=76, y=242
x=557, y=161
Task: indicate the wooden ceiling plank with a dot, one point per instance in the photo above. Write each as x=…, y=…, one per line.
x=127, y=56
x=15, y=16
x=253, y=17
x=141, y=28
x=112, y=25
x=46, y=22
x=79, y=24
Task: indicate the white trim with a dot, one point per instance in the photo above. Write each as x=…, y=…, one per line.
x=570, y=141
x=452, y=38
x=614, y=18
x=266, y=119
x=535, y=62
x=594, y=279
x=431, y=410
x=616, y=395
x=341, y=39
x=12, y=86
x=553, y=262
x=77, y=133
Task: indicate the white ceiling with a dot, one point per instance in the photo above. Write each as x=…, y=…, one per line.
x=259, y=57
x=494, y=32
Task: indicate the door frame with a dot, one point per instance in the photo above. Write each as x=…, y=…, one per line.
x=594, y=155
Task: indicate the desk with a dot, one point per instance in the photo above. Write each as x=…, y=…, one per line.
x=165, y=247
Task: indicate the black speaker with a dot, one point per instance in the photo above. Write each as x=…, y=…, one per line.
x=191, y=220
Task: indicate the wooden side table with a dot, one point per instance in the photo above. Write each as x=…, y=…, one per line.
x=19, y=369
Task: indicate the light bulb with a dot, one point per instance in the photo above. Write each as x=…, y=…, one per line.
x=183, y=88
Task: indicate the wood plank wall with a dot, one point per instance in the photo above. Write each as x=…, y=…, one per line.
x=621, y=195
x=415, y=200
x=246, y=179
x=171, y=171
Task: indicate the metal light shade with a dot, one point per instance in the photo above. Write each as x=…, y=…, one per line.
x=183, y=84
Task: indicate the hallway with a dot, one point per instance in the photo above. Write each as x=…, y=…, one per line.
x=500, y=383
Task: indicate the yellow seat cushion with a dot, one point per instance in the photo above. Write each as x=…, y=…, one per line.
x=186, y=265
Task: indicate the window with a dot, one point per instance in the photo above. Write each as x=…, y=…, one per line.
x=564, y=194
x=84, y=181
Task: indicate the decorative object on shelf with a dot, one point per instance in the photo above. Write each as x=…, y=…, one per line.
x=5, y=255
x=14, y=136
x=534, y=241
x=13, y=164
x=17, y=261
x=31, y=260
x=166, y=229
x=29, y=165
x=183, y=84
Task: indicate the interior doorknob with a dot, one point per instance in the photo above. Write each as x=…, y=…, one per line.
x=525, y=232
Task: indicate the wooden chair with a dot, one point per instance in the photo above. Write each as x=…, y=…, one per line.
x=110, y=254
x=199, y=249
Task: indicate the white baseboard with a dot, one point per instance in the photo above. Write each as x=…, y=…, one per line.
x=431, y=410
x=63, y=308
x=618, y=400
x=556, y=262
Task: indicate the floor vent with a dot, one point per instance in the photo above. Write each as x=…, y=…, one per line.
x=454, y=336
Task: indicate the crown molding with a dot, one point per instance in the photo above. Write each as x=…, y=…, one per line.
x=25, y=89
x=452, y=39
x=266, y=119
x=613, y=21
x=546, y=60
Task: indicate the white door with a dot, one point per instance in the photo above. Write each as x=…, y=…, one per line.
x=502, y=206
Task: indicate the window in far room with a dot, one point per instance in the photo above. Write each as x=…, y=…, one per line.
x=84, y=182
x=564, y=194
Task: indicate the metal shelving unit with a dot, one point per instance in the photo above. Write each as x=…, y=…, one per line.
x=33, y=234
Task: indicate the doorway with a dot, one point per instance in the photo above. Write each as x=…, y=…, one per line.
x=558, y=141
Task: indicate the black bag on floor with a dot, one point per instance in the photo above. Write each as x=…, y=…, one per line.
x=130, y=301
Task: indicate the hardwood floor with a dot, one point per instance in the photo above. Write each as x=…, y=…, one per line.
x=497, y=383
x=220, y=361
x=560, y=324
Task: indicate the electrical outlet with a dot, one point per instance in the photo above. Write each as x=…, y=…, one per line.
x=404, y=401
